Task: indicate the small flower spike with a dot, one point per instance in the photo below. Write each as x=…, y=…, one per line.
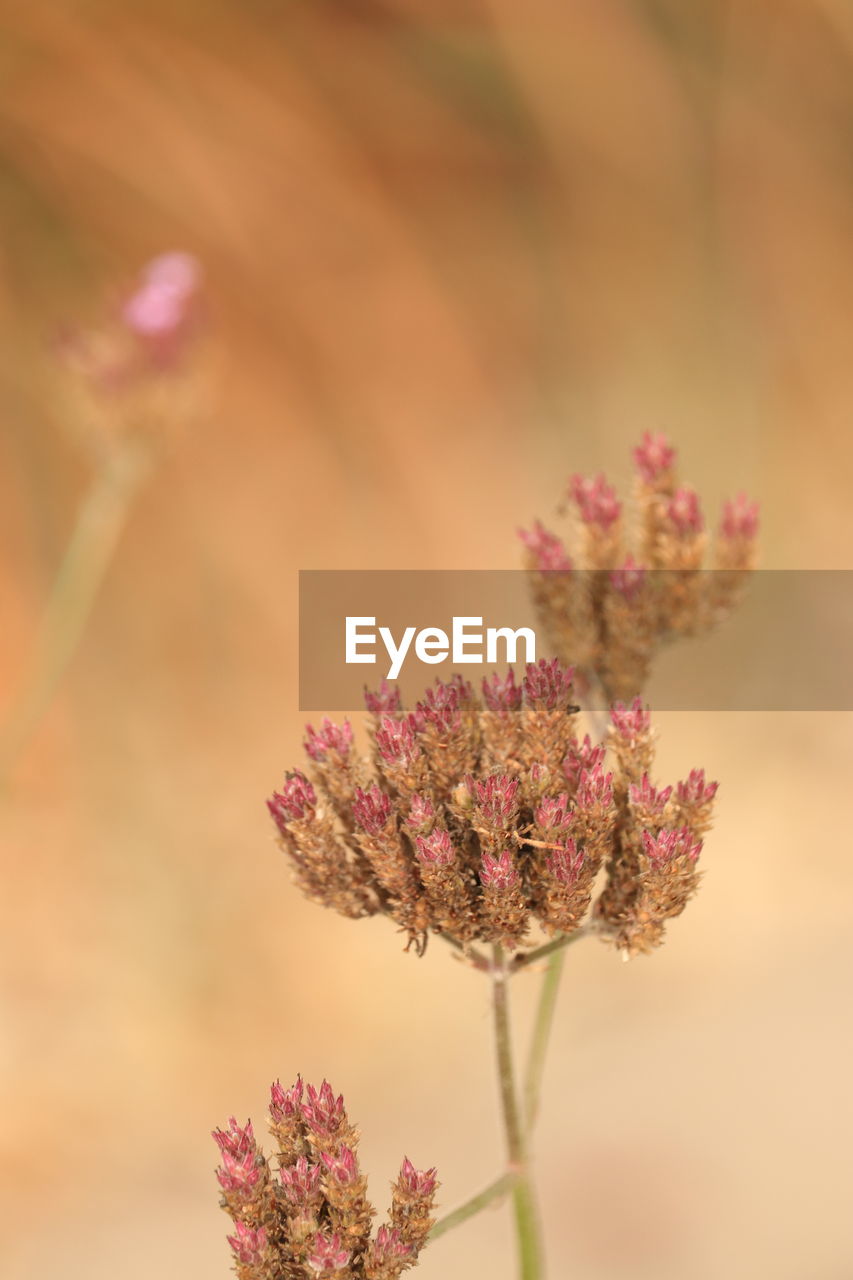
x=314, y=1221
x=636, y=584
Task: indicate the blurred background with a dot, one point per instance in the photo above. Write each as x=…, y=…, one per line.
x=453, y=252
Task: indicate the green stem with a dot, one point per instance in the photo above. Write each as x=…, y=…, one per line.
x=494, y=1191
x=526, y=1217
x=87, y=556
x=541, y=1035
x=543, y=952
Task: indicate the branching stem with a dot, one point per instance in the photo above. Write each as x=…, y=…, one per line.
x=494, y=1191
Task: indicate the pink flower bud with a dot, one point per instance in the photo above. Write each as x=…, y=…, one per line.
x=327, y=1254
x=554, y=814
x=436, y=848
x=683, y=511
x=160, y=306
x=585, y=755
x=248, y=1245
x=396, y=741
x=740, y=518
x=496, y=800
x=596, y=499
x=548, y=684
x=296, y=799
x=241, y=1159
x=416, y=1183
x=323, y=1112
x=285, y=1104
x=565, y=864
x=389, y=1246
x=237, y=1139
x=668, y=845
x=501, y=693
x=331, y=737
x=654, y=456
x=343, y=1167
x=499, y=871
x=442, y=705
x=385, y=701
x=371, y=809
x=301, y=1181
x=695, y=791
x=647, y=797
x=595, y=789
x=628, y=580
x=630, y=722
x=548, y=550
x=421, y=814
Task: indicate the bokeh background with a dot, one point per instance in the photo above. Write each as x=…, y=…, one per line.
x=453, y=252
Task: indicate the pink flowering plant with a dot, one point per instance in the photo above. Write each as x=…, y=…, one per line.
x=496, y=822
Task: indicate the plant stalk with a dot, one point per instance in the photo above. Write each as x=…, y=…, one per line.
x=541, y=1035
x=530, y=1261
x=87, y=557
x=494, y=1191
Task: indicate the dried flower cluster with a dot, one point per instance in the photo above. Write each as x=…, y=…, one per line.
x=474, y=817
x=636, y=587
x=305, y=1214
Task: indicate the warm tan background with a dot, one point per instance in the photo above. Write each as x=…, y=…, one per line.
x=454, y=250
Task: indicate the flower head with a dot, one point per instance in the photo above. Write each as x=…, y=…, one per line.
x=695, y=791
x=740, y=518
x=396, y=741
x=548, y=684
x=296, y=800
x=628, y=580
x=301, y=1181
x=384, y=701
x=596, y=500
x=684, y=513
x=322, y=1111
x=436, y=848
x=285, y=1104
x=649, y=798
x=655, y=458
x=327, y=1254
x=496, y=800
x=565, y=863
x=501, y=694
x=499, y=870
x=342, y=1166
x=371, y=809
x=331, y=739
x=547, y=550
x=415, y=1182
x=630, y=722
x=666, y=846
x=248, y=1244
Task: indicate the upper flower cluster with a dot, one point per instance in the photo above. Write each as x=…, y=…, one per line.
x=610, y=607
x=305, y=1215
x=478, y=816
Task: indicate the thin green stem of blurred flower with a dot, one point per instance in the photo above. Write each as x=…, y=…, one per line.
x=87, y=557
x=494, y=1191
x=531, y=1266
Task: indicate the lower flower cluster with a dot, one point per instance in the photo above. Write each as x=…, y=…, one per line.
x=305, y=1214
x=479, y=818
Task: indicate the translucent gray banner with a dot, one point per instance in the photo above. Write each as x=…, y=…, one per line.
x=786, y=647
